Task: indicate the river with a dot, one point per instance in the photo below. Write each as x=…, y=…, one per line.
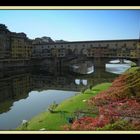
x=26, y=93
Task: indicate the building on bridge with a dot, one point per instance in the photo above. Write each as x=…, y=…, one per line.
x=99, y=52
x=104, y=48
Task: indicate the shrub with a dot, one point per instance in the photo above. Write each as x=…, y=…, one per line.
x=88, y=123
x=52, y=107
x=120, y=125
x=118, y=107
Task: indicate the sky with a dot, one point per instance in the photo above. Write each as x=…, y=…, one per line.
x=74, y=25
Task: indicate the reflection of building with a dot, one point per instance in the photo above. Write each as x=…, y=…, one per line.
x=14, y=88
x=17, y=86
x=21, y=84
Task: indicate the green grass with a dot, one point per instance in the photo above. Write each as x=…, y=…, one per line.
x=55, y=121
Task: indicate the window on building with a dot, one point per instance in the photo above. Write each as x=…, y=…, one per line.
x=125, y=44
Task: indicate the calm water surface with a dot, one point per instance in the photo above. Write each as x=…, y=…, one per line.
x=35, y=103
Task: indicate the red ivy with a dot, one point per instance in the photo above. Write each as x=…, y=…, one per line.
x=120, y=101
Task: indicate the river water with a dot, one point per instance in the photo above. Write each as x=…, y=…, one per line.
x=26, y=93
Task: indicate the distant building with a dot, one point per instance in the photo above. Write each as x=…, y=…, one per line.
x=42, y=40
x=60, y=41
x=4, y=42
x=14, y=45
x=21, y=46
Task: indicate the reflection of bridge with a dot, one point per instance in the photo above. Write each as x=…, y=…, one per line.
x=17, y=86
x=99, y=52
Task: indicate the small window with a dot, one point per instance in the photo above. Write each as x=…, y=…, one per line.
x=125, y=44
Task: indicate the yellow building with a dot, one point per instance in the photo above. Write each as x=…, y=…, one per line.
x=138, y=49
x=133, y=54
x=21, y=46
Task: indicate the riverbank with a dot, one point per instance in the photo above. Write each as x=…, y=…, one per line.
x=64, y=111
x=116, y=107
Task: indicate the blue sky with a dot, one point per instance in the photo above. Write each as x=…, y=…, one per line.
x=74, y=25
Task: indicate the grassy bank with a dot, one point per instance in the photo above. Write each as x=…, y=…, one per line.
x=65, y=110
x=132, y=70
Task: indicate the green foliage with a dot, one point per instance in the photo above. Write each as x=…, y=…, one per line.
x=132, y=70
x=133, y=64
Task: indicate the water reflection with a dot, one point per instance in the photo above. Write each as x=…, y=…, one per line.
x=26, y=108
x=85, y=67
x=27, y=92
x=80, y=81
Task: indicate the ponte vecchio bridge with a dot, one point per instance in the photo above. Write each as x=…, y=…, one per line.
x=99, y=52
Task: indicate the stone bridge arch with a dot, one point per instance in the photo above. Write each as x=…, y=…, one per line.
x=123, y=60
x=75, y=51
x=84, y=51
